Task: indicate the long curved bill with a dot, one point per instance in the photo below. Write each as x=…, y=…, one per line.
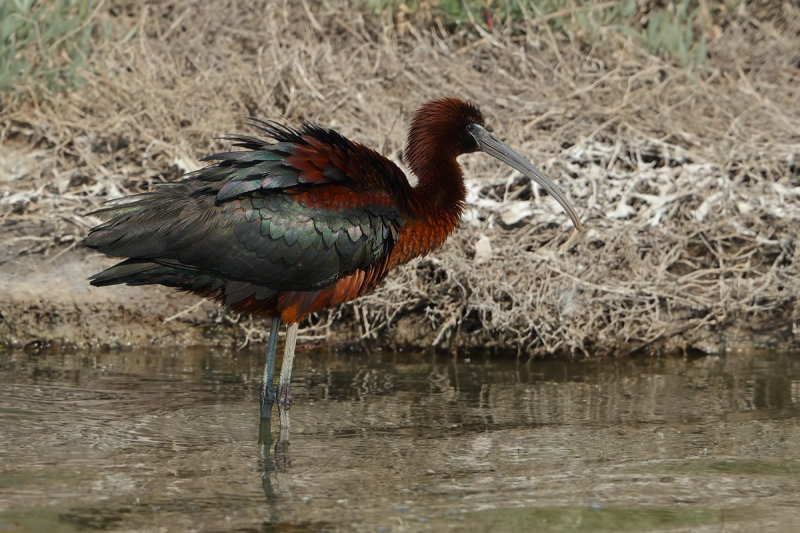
x=496, y=148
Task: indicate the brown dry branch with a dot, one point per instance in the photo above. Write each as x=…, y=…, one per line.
x=688, y=179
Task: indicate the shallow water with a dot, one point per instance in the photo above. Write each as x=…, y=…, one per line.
x=145, y=441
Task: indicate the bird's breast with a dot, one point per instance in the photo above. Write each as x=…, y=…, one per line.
x=420, y=236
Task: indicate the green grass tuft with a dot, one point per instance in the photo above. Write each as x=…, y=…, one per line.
x=44, y=46
x=676, y=29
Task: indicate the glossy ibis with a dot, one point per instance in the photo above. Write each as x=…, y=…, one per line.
x=305, y=222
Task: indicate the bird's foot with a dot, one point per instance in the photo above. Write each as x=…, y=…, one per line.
x=265, y=433
x=282, y=461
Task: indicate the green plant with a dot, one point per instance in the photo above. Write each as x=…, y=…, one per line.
x=672, y=29
x=44, y=45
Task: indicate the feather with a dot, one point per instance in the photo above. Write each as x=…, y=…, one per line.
x=253, y=225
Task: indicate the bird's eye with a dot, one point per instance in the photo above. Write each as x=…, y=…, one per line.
x=473, y=129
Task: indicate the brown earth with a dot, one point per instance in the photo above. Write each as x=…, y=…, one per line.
x=687, y=178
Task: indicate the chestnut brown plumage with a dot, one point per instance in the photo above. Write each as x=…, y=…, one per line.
x=302, y=223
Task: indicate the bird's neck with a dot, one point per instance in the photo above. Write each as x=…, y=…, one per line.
x=440, y=192
x=434, y=211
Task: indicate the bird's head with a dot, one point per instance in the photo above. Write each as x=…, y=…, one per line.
x=449, y=127
x=441, y=127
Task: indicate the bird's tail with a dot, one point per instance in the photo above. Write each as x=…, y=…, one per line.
x=146, y=272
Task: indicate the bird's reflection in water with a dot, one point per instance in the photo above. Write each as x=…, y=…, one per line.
x=275, y=463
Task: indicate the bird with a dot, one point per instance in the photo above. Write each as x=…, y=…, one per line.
x=301, y=221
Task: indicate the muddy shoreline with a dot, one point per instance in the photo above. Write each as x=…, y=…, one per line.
x=72, y=315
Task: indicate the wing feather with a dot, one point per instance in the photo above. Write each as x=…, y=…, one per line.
x=296, y=214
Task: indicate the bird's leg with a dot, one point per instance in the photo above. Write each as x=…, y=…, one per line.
x=284, y=396
x=267, y=385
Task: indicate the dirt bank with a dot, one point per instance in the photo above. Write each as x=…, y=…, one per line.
x=687, y=178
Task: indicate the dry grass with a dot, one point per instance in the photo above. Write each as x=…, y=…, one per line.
x=688, y=179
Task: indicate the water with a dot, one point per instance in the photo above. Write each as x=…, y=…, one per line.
x=158, y=441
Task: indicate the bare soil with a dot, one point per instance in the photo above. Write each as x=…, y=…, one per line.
x=687, y=178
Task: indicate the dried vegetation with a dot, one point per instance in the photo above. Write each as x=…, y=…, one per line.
x=688, y=177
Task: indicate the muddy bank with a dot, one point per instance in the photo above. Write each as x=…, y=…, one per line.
x=49, y=305
x=687, y=179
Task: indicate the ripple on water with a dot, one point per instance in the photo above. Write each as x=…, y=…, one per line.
x=149, y=440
